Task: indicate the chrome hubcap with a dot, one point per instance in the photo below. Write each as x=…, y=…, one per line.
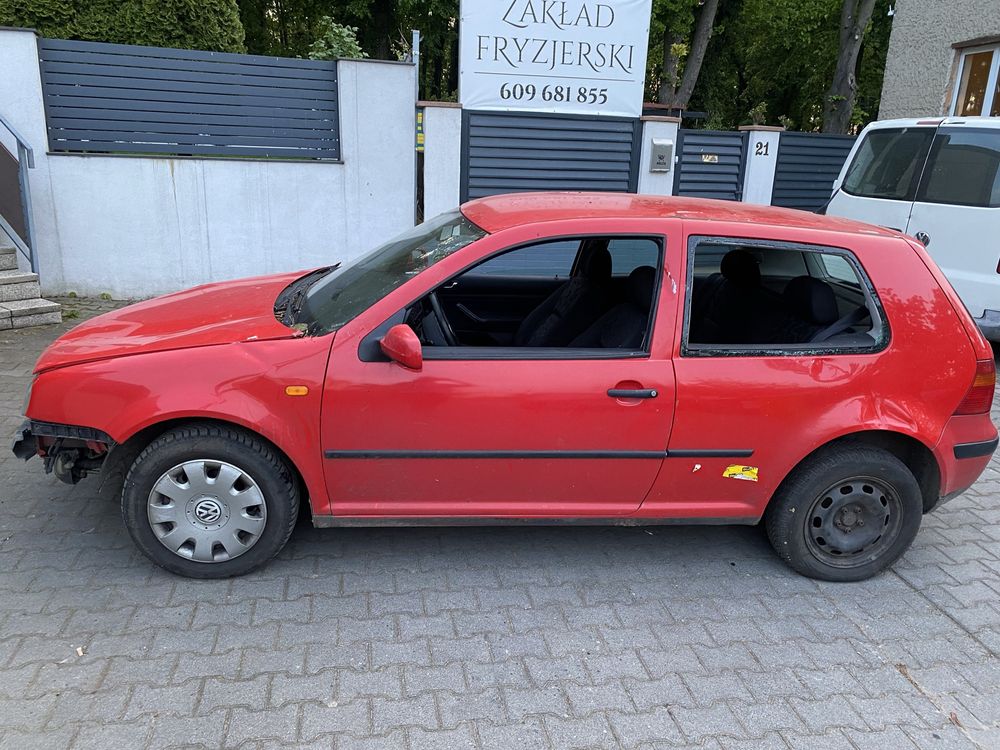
x=207, y=511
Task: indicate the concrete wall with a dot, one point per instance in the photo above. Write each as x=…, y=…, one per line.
x=758, y=176
x=921, y=64
x=657, y=183
x=442, y=157
x=138, y=226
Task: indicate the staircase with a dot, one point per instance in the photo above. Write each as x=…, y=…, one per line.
x=21, y=304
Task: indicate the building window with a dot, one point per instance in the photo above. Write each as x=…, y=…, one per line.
x=978, y=84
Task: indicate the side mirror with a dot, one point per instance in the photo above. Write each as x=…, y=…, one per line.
x=401, y=345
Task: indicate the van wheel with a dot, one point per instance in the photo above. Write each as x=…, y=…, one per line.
x=846, y=514
x=209, y=501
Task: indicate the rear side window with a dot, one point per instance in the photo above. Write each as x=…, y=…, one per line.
x=963, y=169
x=888, y=164
x=773, y=299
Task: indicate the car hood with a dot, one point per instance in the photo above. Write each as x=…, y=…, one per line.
x=207, y=315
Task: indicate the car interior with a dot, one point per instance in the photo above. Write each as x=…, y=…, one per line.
x=591, y=292
x=767, y=296
x=597, y=293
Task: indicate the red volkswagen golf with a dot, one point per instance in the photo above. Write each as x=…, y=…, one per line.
x=588, y=358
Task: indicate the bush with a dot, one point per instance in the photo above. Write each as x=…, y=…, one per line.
x=189, y=24
x=335, y=40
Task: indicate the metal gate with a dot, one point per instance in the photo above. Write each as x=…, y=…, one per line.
x=710, y=164
x=807, y=165
x=507, y=152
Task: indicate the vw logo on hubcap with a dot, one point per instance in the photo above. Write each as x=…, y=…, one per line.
x=208, y=511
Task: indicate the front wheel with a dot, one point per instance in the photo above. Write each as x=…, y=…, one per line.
x=209, y=501
x=846, y=514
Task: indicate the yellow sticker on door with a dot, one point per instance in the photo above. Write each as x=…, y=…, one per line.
x=735, y=471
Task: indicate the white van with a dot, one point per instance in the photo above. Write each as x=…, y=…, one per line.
x=937, y=179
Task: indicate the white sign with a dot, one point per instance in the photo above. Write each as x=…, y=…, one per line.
x=554, y=55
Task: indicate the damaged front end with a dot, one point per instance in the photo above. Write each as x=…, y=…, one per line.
x=70, y=452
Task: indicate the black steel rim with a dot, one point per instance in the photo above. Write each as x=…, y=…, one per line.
x=853, y=522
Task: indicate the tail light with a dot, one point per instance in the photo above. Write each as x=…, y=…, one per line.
x=980, y=396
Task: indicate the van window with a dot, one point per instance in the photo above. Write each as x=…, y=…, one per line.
x=963, y=169
x=888, y=163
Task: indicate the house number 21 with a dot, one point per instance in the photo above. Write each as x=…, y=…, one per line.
x=760, y=149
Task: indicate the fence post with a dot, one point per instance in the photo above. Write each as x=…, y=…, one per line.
x=762, y=157
x=659, y=129
x=442, y=156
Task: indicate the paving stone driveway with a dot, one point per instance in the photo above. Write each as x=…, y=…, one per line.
x=492, y=638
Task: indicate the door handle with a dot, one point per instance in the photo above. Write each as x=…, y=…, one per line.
x=923, y=238
x=633, y=392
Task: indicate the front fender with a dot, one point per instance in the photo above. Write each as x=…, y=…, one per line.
x=242, y=383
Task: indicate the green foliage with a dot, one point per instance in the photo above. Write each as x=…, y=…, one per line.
x=676, y=19
x=190, y=24
x=289, y=28
x=335, y=40
x=768, y=60
x=781, y=54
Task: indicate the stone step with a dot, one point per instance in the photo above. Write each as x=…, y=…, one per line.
x=28, y=312
x=8, y=258
x=15, y=285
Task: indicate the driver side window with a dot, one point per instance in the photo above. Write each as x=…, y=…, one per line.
x=560, y=297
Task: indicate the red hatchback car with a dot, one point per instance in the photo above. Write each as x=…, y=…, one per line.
x=594, y=358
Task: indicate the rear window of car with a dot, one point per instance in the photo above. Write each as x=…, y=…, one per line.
x=963, y=169
x=888, y=163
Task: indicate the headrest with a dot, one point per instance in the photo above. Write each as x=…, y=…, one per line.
x=595, y=260
x=640, y=285
x=740, y=267
x=812, y=299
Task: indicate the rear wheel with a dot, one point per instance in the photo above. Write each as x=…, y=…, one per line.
x=209, y=501
x=846, y=514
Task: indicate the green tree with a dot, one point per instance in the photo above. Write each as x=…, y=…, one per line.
x=839, y=105
x=680, y=31
x=335, y=40
x=775, y=60
x=190, y=24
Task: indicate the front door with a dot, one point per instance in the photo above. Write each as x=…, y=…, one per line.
x=498, y=431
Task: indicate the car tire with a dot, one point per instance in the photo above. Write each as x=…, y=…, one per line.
x=846, y=514
x=209, y=501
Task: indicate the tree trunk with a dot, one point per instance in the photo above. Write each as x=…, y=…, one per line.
x=839, y=104
x=383, y=22
x=679, y=96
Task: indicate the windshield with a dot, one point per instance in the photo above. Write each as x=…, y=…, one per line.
x=354, y=287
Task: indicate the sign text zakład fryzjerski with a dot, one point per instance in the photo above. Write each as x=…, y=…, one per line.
x=554, y=55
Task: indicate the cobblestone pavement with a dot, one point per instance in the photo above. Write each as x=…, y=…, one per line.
x=492, y=638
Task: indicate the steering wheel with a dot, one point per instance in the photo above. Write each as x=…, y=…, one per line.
x=446, y=329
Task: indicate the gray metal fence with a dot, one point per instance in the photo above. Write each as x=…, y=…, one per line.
x=505, y=152
x=807, y=165
x=111, y=98
x=710, y=164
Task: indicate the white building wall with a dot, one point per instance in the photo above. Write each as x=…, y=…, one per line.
x=139, y=226
x=922, y=62
x=442, y=157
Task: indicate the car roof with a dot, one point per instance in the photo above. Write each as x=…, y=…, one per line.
x=935, y=121
x=499, y=212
